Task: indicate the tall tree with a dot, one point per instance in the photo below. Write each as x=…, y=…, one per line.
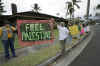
x=1, y=8
x=74, y=2
x=71, y=8
x=36, y=8
x=88, y=8
x=14, y=8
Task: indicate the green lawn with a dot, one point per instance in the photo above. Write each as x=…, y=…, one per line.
x=1, y=47
x=36, y=58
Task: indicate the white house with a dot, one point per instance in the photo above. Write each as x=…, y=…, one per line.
x=97, y=13
x=97, y=10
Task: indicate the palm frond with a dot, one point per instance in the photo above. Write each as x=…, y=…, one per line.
x=77, y=5
x=76, y=1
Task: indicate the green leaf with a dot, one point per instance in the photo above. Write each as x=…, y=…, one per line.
x=77, y=5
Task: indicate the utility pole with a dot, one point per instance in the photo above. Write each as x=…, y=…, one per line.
x=88, y=8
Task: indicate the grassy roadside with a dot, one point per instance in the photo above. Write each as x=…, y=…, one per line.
x=1, y=47
x=37, y=57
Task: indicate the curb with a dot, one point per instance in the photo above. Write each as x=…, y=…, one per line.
x=53, y=59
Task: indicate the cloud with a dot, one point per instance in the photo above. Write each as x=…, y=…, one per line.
x=47, y=6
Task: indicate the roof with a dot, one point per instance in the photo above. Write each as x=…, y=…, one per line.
x=37, y=15
x=29, y=15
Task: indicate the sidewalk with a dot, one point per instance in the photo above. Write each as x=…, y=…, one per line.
x=74, y=51
x=52, y=60
x=56, y=58
x=73, y=54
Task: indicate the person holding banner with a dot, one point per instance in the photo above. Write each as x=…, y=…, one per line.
x=70, y=36
x=63, y=35
x=88, y=28
x=6, y=34
x=75, y=31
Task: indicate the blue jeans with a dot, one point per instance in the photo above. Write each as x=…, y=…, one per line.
x=69, y=40
x=8, y=44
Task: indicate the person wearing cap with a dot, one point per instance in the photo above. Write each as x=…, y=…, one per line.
x=63, y=35
x=6, y=34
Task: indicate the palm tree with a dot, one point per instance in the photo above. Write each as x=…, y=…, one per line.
x=1, y=7
x=88, y=8
x=70, y=7
x=74, y=2
x=36, y=8
x=14, y=8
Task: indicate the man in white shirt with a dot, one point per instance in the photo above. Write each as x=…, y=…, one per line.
x=63, y=34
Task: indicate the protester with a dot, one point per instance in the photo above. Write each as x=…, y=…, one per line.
x=82, y=30
x=71, y=30
x=79, y=27
x=6, y=34
x=88, y=28
x=63, y=35
x=75, y=31
x=14, y=32
x=85, y=28
x=70, y=36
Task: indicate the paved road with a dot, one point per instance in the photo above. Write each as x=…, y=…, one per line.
x=91, y=54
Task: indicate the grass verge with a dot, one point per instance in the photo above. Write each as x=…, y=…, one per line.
x=35, y=58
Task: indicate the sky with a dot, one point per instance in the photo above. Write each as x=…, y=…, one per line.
x=51, y=7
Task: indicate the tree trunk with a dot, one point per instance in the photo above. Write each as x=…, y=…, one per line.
x=88, y=8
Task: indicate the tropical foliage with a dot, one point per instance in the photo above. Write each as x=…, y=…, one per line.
x=71, y=8
x=36, y=8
